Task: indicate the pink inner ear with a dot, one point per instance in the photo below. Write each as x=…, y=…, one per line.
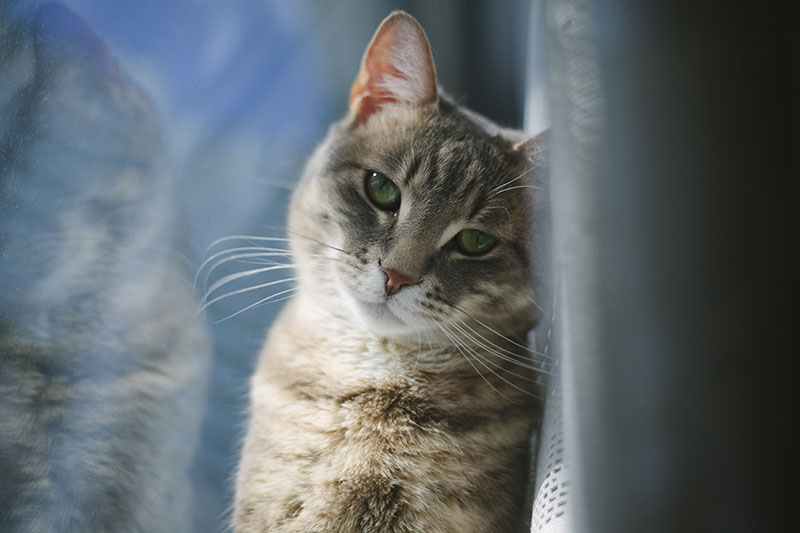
x=367, y=94
x=397, y=66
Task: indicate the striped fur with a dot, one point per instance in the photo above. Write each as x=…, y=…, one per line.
x=409, y=412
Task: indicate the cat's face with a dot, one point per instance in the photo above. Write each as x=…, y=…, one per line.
x=430, y=213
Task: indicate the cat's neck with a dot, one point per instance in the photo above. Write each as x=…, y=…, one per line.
x=320, y=355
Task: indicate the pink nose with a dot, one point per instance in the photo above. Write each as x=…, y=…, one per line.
x=396, y=280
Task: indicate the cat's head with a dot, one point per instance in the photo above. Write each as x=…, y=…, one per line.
x=427, y=205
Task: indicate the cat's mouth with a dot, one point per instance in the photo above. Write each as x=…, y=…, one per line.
x=380, y=317
x=380, y=311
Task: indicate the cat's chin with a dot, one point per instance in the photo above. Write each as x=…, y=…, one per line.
x=380, y=319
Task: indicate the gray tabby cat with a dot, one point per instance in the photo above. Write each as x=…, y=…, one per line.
x=395, y=391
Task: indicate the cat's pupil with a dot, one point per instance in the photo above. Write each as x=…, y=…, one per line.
x=382, y=191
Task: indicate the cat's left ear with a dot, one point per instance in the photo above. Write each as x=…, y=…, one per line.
x=397, y=67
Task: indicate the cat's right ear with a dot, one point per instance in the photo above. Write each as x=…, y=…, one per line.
x=397, y=68
x=533, y=149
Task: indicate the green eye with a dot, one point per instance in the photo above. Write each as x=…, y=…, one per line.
x=382, y=191
x=474, y=242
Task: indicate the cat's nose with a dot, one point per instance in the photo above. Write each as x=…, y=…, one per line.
x=396, y=280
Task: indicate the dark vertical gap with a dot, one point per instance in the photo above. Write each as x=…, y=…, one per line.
x=685, y=374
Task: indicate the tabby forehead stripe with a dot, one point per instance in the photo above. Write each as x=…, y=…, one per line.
x=433, y=168
x=412, y=170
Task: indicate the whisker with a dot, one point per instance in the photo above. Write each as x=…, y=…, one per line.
x=257, y=261
x=533, y=361
x=247, y=238
x=268, y=299
x=311, y=239
x=205, y=304
x=264, y=261
x=474, y=349
x=534, y=187
x=517, y=357
x=518, y=345
x=221, y=262
x=466, y=357
x=236, y=250
x=256, y=238
x=239, y=275
x=491, y=350
x=483, y=361
x=265, y=254
x=478, y=360
x=509, y=182
x=537, y=306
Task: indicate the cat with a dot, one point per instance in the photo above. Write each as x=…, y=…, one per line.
x=102, y=361
x=395, y=391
